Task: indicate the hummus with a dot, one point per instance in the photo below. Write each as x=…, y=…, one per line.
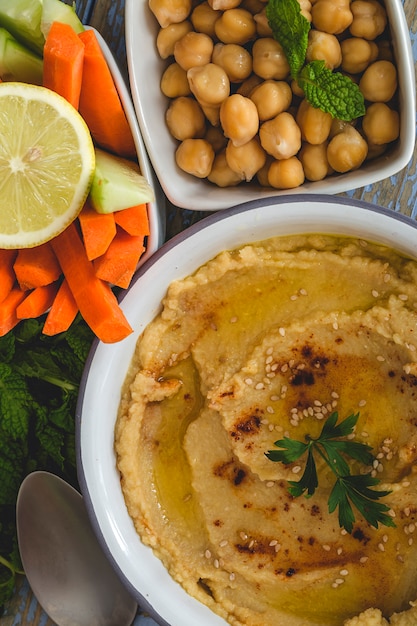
x=261, y=342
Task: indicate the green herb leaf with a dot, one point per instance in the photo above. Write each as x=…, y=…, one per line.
x=290, y=28
x=332, y=92
x=324, y=89
x=39, y=382
x=349, y=489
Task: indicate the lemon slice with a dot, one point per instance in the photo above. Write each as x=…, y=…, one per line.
x=46, y=164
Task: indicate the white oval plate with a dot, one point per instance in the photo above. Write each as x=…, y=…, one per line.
x=183, y=190
x=107, y=366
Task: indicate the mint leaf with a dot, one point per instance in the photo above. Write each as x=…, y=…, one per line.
x=290, y=28
x=332, y=92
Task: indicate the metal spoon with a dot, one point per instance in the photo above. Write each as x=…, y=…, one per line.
x=67, y=570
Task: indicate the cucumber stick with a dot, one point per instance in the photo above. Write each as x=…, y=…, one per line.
x=22, y=18
x=117, y=184
x=17, y=62
x=59, y=11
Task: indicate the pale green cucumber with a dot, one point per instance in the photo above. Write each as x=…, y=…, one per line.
x=17, y=62
x=22, y=18
x=59, y=11
x=117, y=184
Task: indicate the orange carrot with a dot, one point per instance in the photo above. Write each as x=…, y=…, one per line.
x=35, y=267
x=119, y=262
x=98, y=230
x=134, y=220
x=8, y=317
x=63, y=58
x=7, y=275
x=100, y=104
x=97, y=303
x=62, y=312
x=37, y=302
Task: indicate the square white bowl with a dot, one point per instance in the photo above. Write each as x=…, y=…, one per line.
x=156, y=209
x=186, y=191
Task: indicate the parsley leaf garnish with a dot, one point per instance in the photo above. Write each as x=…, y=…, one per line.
x=349, y=489
x=324, y=89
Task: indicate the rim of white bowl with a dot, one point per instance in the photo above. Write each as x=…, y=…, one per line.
x=292, y=214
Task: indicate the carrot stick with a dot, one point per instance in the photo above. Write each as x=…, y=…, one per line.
x=7, y=275
x=97, y=303
x=62, y=312
x=98, y=230
x=8, y=317
x=134, y=220
x=63, y=58
x=119, y=262
x=100, y=104
x=37, y=302
x=35, y=267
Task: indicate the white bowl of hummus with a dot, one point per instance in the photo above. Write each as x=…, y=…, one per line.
x=192, y=192
x=254, y=327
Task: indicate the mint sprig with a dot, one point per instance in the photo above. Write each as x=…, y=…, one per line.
x=349, y=490
x=332, y=92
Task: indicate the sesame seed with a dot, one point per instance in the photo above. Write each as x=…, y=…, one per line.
x=270, y=483
x=385, y=538
x=223, y=543
x=278, y=547
x=344, y=572
x=380, y=358
x=319, y=416
x=410, y=541
x=233, y=319
x=387, y=278
x=411, y=528
x=339, y=551
x=259, y=386
x=361, y=402
x=326, y=547
x=317, y=403
x=270, y=409
x=216, y=563
x=248, y=381
x=339, y=581
x=403, y=297
x=270, y=350
x=281, y=331
x=375, y=293
x=363, y=559
x=251, y=543
x=381, y=547
x=273, y=542
x=232, y=576
x=334, y=394
x=335, y=326
x=207, y=554
x=296, y=469
x=268, y=360
x=364, y=433
x=302, y=292
x=293, y=297
x=243, y=535
x=400, y=558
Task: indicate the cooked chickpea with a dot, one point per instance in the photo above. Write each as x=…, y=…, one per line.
x=324, y=47
x=305, y=6
x=234, y=59
x=357, y=54
x=245, y=160
x=347, y=150
x=223, y=5
x=195, y=156
x=281, y=136
x=269, y=60
x=221, y=174
x=167, y=37
x=286, y=173
x=203, y=19
x=253, y=6
x=271, y=97
x=379, y=81
x=263, y=28
x=314, y=161
x=331, y=17
x=239, y=119
x=338, y=126
x=381, y=124
x=248, y=85
x=193, y=49
x=209, y=84
x=369, y=19
x=314, y=123
x=262, y=174
x=170, y=11
x=235, y=26
x=215, y=136
x=174, y=82
x=185, y=119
